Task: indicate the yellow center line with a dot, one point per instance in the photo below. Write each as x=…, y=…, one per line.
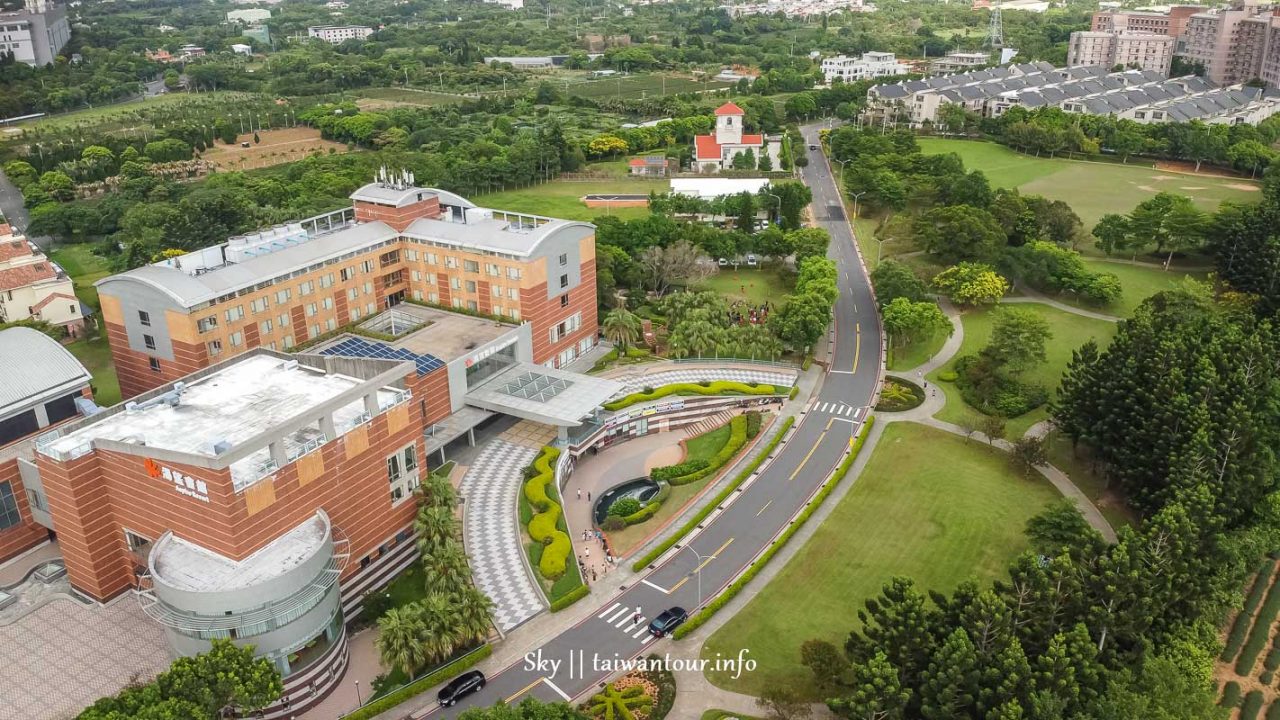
x=765, y=506
x=857, y=344
x=701, y=565
x=523, y=690
x=816, y=443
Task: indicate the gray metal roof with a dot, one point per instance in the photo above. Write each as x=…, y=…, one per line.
x=891, y=91
x=37, y=368
x=497, y=235
x=542, y=394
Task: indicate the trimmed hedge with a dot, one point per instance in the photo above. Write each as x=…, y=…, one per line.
x=795, y=390
x=720, y=387
x=417, y=687
x=702, y=514
x=667, y=472
x=1260, y=634
x=543, y=527
x=570, y=598
x=1230, y=694
x=703, y=615
x=1272, y=660
x=737, y=438
x=1273, y=712
x=1240, y=627
x=754, y=419
x=1251, y=706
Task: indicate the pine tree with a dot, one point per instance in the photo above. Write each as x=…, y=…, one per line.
x=951, y=682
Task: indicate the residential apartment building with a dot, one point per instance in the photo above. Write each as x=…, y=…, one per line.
x=1229, y=43
x=1141, y=95
x=44, y=385
x=33, y=287
x=1172, y=23
x=1124, y=48
x=960, y=62
x=338, y=34
x=292, y=284
x=35, y=34
x=870, y=65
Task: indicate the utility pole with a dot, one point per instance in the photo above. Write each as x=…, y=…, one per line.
x=995, y=32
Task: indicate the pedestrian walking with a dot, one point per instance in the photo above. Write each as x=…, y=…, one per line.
x=579, y=493
x=588, y=496
x=588, y=553
x=593, y=574
x=635, y=619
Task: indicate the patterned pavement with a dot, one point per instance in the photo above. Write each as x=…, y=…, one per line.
x=491, y=488
x=64, y=655
x=634, y=383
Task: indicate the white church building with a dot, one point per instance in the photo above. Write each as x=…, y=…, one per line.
x=712, y=153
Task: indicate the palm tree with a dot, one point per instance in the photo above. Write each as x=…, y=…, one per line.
x=622, y=327
x=694, y=337
x=434, y=526
x=442, y=623
x=474, y=608
x=400, y=639
x=445, y=568
x=437, y=491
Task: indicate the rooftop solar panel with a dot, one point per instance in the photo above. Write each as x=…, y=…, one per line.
x=359, y=347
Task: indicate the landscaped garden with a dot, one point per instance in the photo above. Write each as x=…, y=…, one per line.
x=547, y=538
x=907, y=514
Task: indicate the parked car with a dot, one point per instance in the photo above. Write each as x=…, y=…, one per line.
x=460, y=687
x=813, y=147
x=752, y=261
x=722, y=262
x=667, y=621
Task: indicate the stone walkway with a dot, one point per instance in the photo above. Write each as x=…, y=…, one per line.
x=490, y=490
x=634, y=381
x=1035, y=296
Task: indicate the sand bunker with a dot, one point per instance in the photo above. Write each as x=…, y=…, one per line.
x=1242, y=186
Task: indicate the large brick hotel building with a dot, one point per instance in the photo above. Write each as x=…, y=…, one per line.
x=253, y=493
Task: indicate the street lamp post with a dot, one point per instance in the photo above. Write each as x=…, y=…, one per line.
x=840, y=178
x=359, y=700
x=701, y=561
x=855, y=203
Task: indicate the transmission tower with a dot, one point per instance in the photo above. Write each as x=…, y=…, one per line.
x=995, y=33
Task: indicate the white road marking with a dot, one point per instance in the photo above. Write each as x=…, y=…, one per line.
x=555, y=687
x=848, y=411
x=615, y=606
x=641, y=631
x=646, y=640
x=659, y=588
x=615, y=615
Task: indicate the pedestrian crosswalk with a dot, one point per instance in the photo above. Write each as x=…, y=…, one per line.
x=623, y=618
x=838, y=409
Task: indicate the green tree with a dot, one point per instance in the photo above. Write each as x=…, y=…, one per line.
x=906, y=321
x=802, y=320
x=1018, y=338
x=1113, y=233
x=960, y=233
x=58, y=185
x=224, y=678
x=809, y=242
x=1029, y=453
x=877, y=693
x=826, y=662
x=971, y=284
x=893, y=279
x=622, y=327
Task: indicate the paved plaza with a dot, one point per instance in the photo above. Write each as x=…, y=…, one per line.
x=633, y=382
x=65, y=654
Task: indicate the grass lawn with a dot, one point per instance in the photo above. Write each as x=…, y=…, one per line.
x=95, y=355
x=909, y=356
x=910, y=513
x=409, y=97
x=752, y=285
x=1138, y=281
x=1092, y=189
x=864, y=229
x=123, y=112
x=1070, y=331
x=563, y=199
x=85, y=269
x=634, y=86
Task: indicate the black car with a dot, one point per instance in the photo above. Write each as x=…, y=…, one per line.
x=460, y=687
x=667, y=620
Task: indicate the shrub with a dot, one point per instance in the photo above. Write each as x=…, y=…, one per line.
x=554, y=556
x=1259, y=635
x=544, y=526
x=421, y=685
x=636, y=353
x=673, y=471
x=1240, y=627
x=993, y=393
x=718, y=387
x=570, y=598
x=623, y=507
x=1251, y=705
x=642, y=514
x=948, y=376
x=1273, y=712
x=728, y=490
x=1272, y=661
x=1266, y=677
x=795, y=390
x=613, y=523
x=753, y=423
x=696, y=621
x=737, y=438
x=1230, y=694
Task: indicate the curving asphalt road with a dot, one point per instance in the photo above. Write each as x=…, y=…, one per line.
x=576, y=661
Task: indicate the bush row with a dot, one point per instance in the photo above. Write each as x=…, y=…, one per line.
x=1260, y=633
x=737, y=438
x=695, y=622
x=719, y=387
x=417, y=687
x=667, y=472
x=702, y=514
x=1272, y=660
x=754, y=418
x=570, y=598
x=1273, y=712
x=543, y=528
x=1230, y=694
x=1251, y=705
x=1240, y=628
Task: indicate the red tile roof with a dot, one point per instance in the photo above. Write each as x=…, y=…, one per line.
x=706, y=147
x=636, y=162
x=24, y=275
x=752, y=139
x=10, y=249
x=730, y=109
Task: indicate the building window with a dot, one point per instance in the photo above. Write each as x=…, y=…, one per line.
x=366, y=266
x=472, y=306
x=215, y=348
x=402, y=473
x=564, y=258
x=450, y=261
x=455, y=283
x=237, y=338
x=260, y=305
x=235, y=313
x=265, y=327
x=564, y=281
x=9, y=515
x=513, y=273
x=326, y=281
x=307, y=287
x=288, y=341
x=513, y=293
x=471, y=286
x=149, y=342
x=314, y=331
x=282, y=296
x=564, y=300
x=204, y=325
x=136, y=542
x=353, y=293
x=328, y=303
x=144, y=317
x=368, y=288
x=471, y=266
x=348, y=273
x=311, y=309
x=492, y=269
x=331, y=324
x=155, y=364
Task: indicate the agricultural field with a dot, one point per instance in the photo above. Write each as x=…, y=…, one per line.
x=385, y=97
x=1070, y=331
x=134, y=112
x=1246, y=669
x=1093, y=189
x=563, y=198
x=939, y=523
x=633, y=86
x=276, y=147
